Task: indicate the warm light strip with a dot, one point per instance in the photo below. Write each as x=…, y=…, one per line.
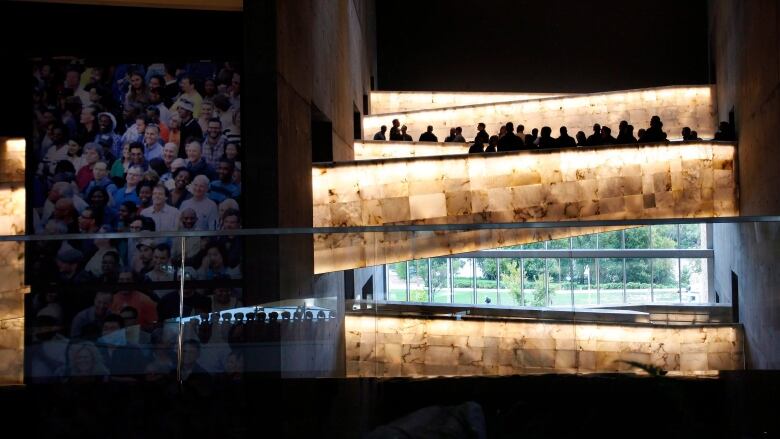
x=383, y=102
x=419, y=346
x=678, y=106
x=378, y=149
x=694, y=180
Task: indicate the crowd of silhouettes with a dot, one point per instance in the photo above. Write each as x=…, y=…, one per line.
x=510, y=138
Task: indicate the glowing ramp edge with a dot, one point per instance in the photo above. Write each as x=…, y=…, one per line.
x=678, y=107
x=384, y=102
x=652, y=181
x=380, y=149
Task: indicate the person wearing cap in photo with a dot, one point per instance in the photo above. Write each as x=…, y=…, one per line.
x=189, y=93
x=68, y=261
x=142, y=262
x=168, y=177
x=188, y=127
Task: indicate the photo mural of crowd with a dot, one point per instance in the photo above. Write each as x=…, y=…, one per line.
x=129, y=148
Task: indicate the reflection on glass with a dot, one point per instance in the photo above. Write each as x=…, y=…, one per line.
x=559, y=282
x=418, y=280
x=638, y=274
x=610, y=280
x=487, y=280
x=534, y=285
x=440, y=280
x=462, y=280
x=693, y=280
x=510, y=284
x=396, y=281
x=584, y=242
x=534, y=245
x=691, y=236
x=666, y=280
x=638, y=238
x=584, y=281
x=664, y=236
x=611, y=240
x=558, y=244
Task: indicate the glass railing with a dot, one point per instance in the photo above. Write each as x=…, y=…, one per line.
x=219, y=306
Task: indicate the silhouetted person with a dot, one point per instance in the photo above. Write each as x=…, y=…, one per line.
x=395, y=131
x=482, y=135
x=492, y=145
x=640, y=134
x=626, y=136
x=502, y=131
x=595, y=138
x=606, y=136
x=380, y=135
x=405, y=137
x=622, y=127
x=510, y=142
x=459, y=135
x=451, y=137
x=655, y=133
x=695, y=135
x=686, y=133
x=428, y=135
x=534, y=138
x=565, y=140
x=545, y=139
x=477, y=148
x=581, y=139
x=725, y=132
x=520, y=133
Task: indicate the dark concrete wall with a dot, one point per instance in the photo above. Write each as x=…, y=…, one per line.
x=300, y=56
x=745, y=50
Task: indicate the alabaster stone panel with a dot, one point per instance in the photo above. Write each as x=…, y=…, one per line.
x=11, y=351
x=371, y=150
x=678, y=106
x=417, y=346
x=383, y=102
x=617, y=183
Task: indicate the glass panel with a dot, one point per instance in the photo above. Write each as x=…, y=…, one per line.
x=511, y=247
x=638, y=237
x=584, y=242
x=463, y=280
x=664, y=236
x=534, y=291
x=692, y=235
x=558, y=244
x=534, y=246
x=396, y=282
x=610, y=280
x=666, y=280
x=584, y=281
x=440, y=281
x=611, y=240
x=559, y=286
x=418, y=280
x=638, y=280
x=487, y=281
x=694, y=280
x=510, y=281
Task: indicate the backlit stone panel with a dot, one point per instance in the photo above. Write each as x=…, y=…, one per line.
x=678, y=107
x=383, y=102
x=691, y=180
x=418, y=347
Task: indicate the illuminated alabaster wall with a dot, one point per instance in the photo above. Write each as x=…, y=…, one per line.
x=416, y=347
x=12, y=290
x=379, y=149
x=677, y=106
x=383, y=102
x=654, y=181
